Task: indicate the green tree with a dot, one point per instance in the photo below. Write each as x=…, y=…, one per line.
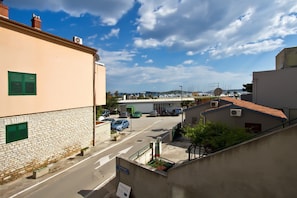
x=111, y=104
x=248, y=87
x=111, y=101
x=215, y=136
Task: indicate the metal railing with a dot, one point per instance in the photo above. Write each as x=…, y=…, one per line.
x=139, y=152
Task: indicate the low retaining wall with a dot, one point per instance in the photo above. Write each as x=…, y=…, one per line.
x=102, y=132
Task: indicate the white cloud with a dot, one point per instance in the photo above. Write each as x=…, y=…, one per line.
x=216, y=27
x=148, y=43
x=188, y=62
x=122, y=76
x=193, y=26
x=149, y=61
x=112, y=33
x=109, y=11
x=199, y=77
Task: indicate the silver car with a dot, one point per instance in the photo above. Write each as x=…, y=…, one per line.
x=154, y=113
x=120, y=125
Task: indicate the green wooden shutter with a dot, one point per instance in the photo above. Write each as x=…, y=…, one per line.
x=16, y=132
x=15, y=83
x=21, y=83
x=30, y=84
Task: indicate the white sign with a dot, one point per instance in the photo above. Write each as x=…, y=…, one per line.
x=123, y=190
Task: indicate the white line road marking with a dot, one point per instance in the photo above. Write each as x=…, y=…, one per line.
x=102, y=161
x=125, y=150
x=80, y=162
x=106, y=159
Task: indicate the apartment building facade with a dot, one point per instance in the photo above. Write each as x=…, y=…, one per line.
x=277, y=88
x=50, y=87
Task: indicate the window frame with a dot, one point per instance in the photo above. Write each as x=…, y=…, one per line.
x=16, y=132
x=24, y=81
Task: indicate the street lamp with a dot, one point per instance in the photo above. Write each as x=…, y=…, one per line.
x=181, y=104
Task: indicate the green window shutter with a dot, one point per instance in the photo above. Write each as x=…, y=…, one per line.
x=30, y=84
x=16, y=132
x=15, y=83
x=21, y=83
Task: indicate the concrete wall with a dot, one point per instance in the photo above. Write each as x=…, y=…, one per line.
x=263, y=167
x=247, y=116
x=144, y=182
x=280, y=93
x=51, y=136
x=192, y=115
x=286, y=58
x=102, y=132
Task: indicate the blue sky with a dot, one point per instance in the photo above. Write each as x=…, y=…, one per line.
x=159, y=45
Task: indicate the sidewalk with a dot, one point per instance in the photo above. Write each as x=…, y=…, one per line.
x=175, y=151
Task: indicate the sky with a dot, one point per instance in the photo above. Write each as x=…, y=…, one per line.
x=163, y=45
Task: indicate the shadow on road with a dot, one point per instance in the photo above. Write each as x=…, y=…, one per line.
x=107, y=191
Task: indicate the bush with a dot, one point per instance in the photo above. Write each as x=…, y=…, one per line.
x=215, y=136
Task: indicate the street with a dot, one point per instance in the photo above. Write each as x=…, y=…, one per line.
x=82, y=176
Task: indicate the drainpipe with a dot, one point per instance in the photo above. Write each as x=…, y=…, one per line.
x=203, y=117
x=95, y=58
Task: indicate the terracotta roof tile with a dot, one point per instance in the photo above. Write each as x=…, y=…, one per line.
x=255, y=107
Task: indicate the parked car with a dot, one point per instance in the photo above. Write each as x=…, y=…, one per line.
x=114, y=111
x=175, y=112
x=124, y=114
x=136, y=114
x=120, y=125
x=105, y=113
x=166, y=113
x=111, y=120
x=154, y=113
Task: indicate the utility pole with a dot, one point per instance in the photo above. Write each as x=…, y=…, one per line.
x=181, y=104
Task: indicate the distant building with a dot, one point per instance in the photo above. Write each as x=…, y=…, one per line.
x=277, y=88
x=50, y=87
x=148, y=105
x=236, y=113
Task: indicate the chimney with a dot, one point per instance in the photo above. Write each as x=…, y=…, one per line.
x=3, y=10
x=36, y=22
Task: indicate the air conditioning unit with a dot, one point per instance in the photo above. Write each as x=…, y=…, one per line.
x=77, y=40
x=235, y=112
x=214, y=104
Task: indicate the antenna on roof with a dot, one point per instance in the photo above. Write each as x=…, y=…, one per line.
x=218, y=91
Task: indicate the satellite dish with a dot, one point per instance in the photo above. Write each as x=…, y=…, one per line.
x=97, y=57
x=218, y=91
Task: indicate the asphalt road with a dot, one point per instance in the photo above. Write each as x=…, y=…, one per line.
x=86, y=176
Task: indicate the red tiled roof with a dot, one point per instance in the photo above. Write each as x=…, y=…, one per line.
x=255, y=107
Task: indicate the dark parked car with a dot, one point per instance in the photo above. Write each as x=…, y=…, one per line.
x=124, y=114
x=120, y=125
x=154, y=113
x=111, y=120
x=105, y=113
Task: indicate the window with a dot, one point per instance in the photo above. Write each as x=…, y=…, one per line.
x=15, y=132
x=21, y=83
x=253, y=127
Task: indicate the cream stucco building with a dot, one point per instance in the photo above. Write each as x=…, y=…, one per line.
x=50, y=88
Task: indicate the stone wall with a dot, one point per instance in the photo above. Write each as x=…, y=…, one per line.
x=51, y=136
